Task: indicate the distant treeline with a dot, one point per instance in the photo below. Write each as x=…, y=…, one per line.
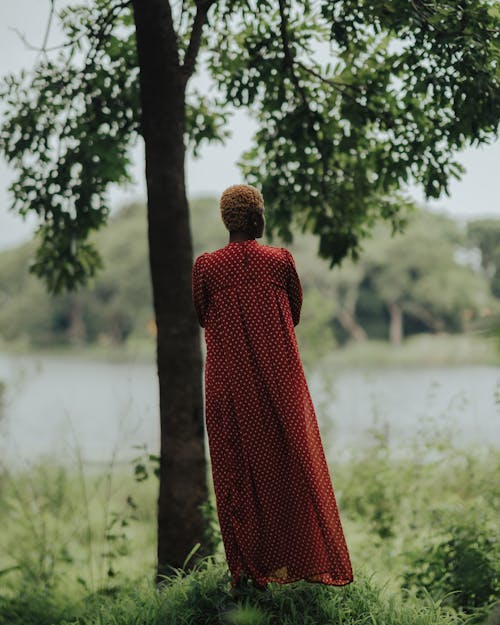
x=436, y=277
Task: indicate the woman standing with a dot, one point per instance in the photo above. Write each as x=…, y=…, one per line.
x=275, y=502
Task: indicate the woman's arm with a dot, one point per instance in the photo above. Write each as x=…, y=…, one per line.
x=199, y=290
x=294, y=289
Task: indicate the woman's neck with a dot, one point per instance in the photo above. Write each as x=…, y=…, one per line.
x=238, y=235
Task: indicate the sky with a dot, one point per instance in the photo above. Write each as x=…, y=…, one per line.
x=477, y=194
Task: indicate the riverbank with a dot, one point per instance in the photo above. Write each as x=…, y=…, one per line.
x=420, y=350
x=417, y=350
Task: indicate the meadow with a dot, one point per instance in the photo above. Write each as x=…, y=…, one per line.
x=78, y=545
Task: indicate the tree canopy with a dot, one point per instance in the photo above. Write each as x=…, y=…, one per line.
x=353, y=101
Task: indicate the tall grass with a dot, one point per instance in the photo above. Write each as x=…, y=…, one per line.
x=201, y=597
x=79, y=528
x=77, y=545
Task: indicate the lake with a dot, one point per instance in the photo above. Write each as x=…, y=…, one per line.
x=62, y=406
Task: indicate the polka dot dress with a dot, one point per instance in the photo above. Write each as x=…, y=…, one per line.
x=275, y=501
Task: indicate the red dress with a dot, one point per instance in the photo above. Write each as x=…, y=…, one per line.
x=275, y=502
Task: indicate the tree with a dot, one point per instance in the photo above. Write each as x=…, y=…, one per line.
x=407, y=85
x=417, y=275
x=485, y=234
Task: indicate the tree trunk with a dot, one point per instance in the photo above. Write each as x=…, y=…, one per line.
x=76, y=331
x=347, y=312
x=351, y=326
x=183, y=477
x=423, y=314
x=396, y=324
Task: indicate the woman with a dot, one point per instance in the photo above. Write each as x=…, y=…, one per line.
x=275, y=502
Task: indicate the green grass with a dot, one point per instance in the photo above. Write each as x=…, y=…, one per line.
x=135, y=348
x=78, y=546
x=201, y=597
x=417, y=350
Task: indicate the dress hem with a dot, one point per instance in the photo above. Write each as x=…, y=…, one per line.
x=262, y=581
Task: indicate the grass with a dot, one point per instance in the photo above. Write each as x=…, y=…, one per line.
x=417, y=350
x=420, y=350
x=140, y=349
x=77, y=545
x=200, y=597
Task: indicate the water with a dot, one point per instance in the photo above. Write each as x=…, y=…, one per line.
x=62, y=406
x=58, y=405
x=459, y=404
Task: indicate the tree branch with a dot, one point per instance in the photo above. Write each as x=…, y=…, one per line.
x=30, y=46
x=289, y=59
x=289, y=64
x=43, y=49
x=420, y=312
x=61, y=46
x=339, y=86
x=189, y=63
x=96, y=38
x=47, y=28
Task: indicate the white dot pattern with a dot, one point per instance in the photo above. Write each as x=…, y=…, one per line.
x=275, y=500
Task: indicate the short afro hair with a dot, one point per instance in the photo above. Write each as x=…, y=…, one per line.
x=237, y=203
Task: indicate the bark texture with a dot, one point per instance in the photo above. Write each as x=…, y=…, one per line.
x=183, y=477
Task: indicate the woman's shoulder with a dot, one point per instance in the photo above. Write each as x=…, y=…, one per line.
x=280, y=253
x=202, y=257
x=272, y=250
x=200, y=262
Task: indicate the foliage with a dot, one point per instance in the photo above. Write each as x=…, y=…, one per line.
x=212, y=534
x=145, y=464
x=52, y=526
x=116, y=308
x=35, y=606
x=462, y=567
x=419, y=271
x=202, y=597
x=393, y=509
x=406, y=85
x=485, y=234
x=68, y=135
x=426, y=513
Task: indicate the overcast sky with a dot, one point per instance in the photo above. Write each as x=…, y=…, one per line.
x=477, y=194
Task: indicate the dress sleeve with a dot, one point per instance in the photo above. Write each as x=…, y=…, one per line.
x=199, y=290
x=294, y=289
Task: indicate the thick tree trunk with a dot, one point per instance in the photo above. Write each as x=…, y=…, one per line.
x=183, y=477
x=396, y=323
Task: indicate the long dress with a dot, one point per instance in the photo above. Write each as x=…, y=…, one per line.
x=275, y=502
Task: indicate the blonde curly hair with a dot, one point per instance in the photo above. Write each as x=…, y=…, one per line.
x=238, y=203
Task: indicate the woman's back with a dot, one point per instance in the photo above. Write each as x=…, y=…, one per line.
x=253, y=276
x=275, y=501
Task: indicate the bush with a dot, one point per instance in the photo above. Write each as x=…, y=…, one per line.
x=462, y=569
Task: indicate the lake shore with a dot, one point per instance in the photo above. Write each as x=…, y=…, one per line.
x=416, y=350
